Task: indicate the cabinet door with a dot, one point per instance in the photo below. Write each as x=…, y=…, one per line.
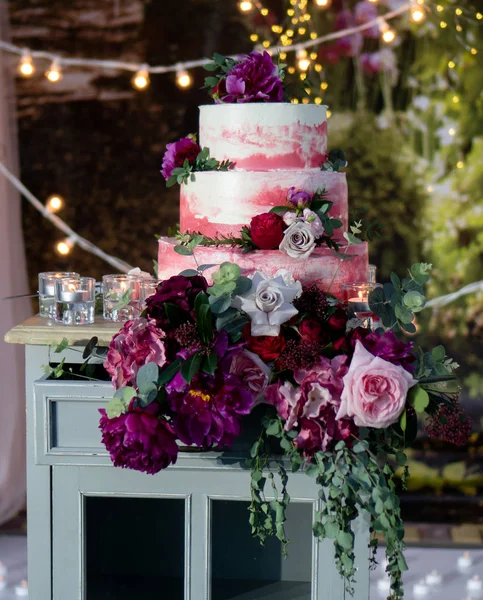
x=184, y=535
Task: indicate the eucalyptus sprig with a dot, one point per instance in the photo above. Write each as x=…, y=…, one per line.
x=203, y=162
x=336, y=160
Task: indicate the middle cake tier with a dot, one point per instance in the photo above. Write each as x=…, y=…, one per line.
x=218, y=203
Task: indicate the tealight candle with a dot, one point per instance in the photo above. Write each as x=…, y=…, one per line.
x=47, y=291
x=3, y=583
x=357, y=297
x=474, y=585
x=464, y=562
x=22, y=589
x=115, y=305
x=3, y=569
x=74, y=300
x=434, y=578
x=420, y=590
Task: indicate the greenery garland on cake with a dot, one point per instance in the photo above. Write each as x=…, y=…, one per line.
x=341, y=401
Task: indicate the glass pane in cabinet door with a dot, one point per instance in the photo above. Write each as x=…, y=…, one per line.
x=242, y=569
x=134, y=548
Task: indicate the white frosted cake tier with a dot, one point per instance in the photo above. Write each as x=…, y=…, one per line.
x=319, y=268
x=220, y=203
x=266, y=136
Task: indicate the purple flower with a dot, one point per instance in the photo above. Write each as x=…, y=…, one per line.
x=386, y=346
x=137, y=343
x=178, y=290
x=254, y=79
x=364, y=12
x=139, y=439
x=348, y=45
x=208, y=410
x=378, y=62
x=298, y=199
x=176, y=153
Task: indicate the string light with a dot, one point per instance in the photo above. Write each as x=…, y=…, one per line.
x=254, y=37
x=329, y=114
x=388, y=34
x=245, y=6
x=452, y=131
x=479, y=16
x=305, y=100
x=264, y=12
x=318, y=67
x=443, y=24
x=295, y=100
x=65, y=246
x=54, y=74
x=141, y=79
x=183, y=79
x=318, y=100
x=474, y=51
x=54, y=203
x=459, y=29
x=266, y=44
x=313, y=35
x=323, y=3
x=26, y=66
x=459, y=12
x=417, y=14
x=324, y=85
x=456, y=99
x=451, y=64
x=440, y=8
x=460, y=164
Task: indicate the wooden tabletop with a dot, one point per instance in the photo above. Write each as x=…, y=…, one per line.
x=39, y=331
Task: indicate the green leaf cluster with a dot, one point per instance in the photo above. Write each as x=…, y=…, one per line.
x=336, y=160
x=203, y=162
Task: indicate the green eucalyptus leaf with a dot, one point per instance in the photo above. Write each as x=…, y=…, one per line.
x=202, y=268
x=419, y=398
x=219, y=304
x=243, y=285
x=414, y=300
x=191, y=366
x=188, y=272
x=403, y=314
x=115, y=408
x=183, y=250
x=438, y=354
x=147, y=377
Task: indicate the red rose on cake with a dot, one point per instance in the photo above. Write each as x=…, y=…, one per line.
x=267, y=231
x=268, y=347
x=176, y=153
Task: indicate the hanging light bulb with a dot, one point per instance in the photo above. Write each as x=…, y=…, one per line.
x=65, y=246
x=304, y=64
x=245, y=6
x=388, y=34
x=54, y=74
x=417, y=14
x=26, y=66
x=323, y=3
x=141, y=79
x=54, y=203
x=183, y=79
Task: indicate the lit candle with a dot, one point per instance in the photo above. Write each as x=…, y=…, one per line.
x=464, y=562
x=3, y=569
x=420, y=590
x=3, y=583
x=360, y=304
x=474, y=585
x=22, y=589
x=73, y=295
x=434, y=578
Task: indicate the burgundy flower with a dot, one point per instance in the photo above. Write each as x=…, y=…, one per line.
x=208, y=410
x=348, y=45
x=386, y=346
x=299, y=199
x=310, y=330
x=337, y=322
x=178, y=290
x=139, y=439
x=137, y=343
x=253, y=79
x=365, y=12
x=176, y=153
x=267, y=231
x=268, y=347
x=449, y=424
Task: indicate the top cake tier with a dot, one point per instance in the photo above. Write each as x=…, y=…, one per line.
x=265, y=137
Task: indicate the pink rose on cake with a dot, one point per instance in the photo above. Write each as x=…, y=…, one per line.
x=253, y=79
x=176, y=153
x=375, y=390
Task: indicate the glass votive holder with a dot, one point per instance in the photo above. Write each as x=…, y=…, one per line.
x=75, y=300
x=148, y=288
x=47, y=291
x=121, y=297
x=356, y=294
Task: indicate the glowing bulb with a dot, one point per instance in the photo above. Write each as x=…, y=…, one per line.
x=254, y=37
x=303, y=76
x=245, y=6
x=266, y=44
x=301, y=53
x=452, y=131
x=443, y=24
x=64, y=247
x=430, y=188
x=141, y=79
x=313, y=35
x=479, y=16
x=460, y=164
x=307, y=17
x=324, y=85
x=318, y=67
x=373, y=1
x=451, y=64
x=305, y=100
x=295, y=20
x=440, y=8
x=290, y=12
x=283, y=55
x=304, y=64
x=289, y=33
x=302, y=30
x=26, y=66
x=313, y=55
x=295, y=101
x=459, y=29
x=417, y=15
x=459, y=12
x=291, y=70
x=318, y=100
x=474, y=51
x=456, y=99
x=323, y=3
x=54, y=74
x=264, y=12
x=329, y=114
x=54, y=203
x=389, y=36
x=183, y=79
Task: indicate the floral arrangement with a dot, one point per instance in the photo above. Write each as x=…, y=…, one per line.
x=342, y=402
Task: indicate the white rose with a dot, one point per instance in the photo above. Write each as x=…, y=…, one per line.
x=268, y=303
x=298, y=241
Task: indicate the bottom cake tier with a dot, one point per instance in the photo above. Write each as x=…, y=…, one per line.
x=319, y=268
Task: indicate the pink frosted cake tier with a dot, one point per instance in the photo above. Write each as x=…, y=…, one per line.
x=218, y=202
x=261, y=137
x=319, y=268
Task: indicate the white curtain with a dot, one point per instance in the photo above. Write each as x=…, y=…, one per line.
x=13, y=281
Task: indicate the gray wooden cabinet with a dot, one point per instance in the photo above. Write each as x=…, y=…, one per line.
x=96, y=531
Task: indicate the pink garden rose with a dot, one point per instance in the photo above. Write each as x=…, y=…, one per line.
x=251, y=369
x=137, y=343
x=375, y=390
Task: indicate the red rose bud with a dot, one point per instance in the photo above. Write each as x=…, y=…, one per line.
x=267, y=231
x=338, y=320
x=266, y=346
x=310, y=330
